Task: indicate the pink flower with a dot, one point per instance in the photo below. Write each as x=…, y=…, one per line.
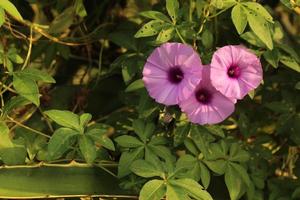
x=172, y=72
x=235, y=71
x=207, y=105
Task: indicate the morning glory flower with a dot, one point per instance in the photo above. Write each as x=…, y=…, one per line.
x=207, y=105
x=172, y=72
x=235, y=71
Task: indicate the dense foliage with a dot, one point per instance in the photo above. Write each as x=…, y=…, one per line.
x=71, y=90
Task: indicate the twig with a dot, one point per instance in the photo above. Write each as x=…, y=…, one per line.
x=28, y=128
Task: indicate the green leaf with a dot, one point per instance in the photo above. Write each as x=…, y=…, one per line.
x=237, y=154
x=127, y=159
x=27, y=88
x=2, y=16
x=261, y=28
x=143, y=129
x=63, y=21
x=272, y=57
x=207, y=39
x=36, y=75
x=176, y=193
x=155, y=15
x=128, y=141
x=217, y=166
x=145, y=169
x=14, y=102
x=296, y=193
x=181, y=133
x=252, y=39
x=84, y=119
x=138, y=84
x=223, y=4
x=205, y=175
x=87, y=148
x=101, y=136
x=215, y=130
x=60, y=142
x=11, y=9
x=13, y=55
x=162, y=152
x=64, y=118
x=189, y=144
x=259, y=10
x=173, y=9
x=149, y=29
x=233, y=182
x=79, y=8
x=239, y=18
x=242, y=173
x=193, y=188
x=153, y=190
x=165, y=35
x=290, y=62
x=12, y=152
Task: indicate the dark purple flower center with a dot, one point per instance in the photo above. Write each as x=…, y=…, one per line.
x=203, y=96
x=233, y=71
x=175, y=75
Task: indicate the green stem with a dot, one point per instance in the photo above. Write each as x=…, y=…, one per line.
x=180, y=36
x=29, y=50
x=28, y=128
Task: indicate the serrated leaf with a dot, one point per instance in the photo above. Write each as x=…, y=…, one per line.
x=36, y=75
x=127, y=159
x=172, y=8
x=60, y=142
x=11, y=9
x=87, y=148
x=153, y=190
x=261, y=28
x=239, y=18
x=128, y=141
x=155, y=15
x=27, y=88
x=145, y=169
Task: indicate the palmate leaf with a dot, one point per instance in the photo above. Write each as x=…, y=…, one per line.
x=239, y=18
x=153, y=190
x=172, y=8
x=193, y=188
x=64, y=118
x=99, y=135
x=127, y=159
x=145, y=169
x=87, y=148
x=60, y=142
